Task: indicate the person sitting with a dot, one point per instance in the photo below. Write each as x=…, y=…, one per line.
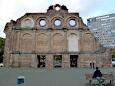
x=98, y=75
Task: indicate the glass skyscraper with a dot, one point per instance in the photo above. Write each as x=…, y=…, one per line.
x=103, y=28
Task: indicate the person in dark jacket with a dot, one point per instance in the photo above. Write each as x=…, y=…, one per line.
x=98, y=75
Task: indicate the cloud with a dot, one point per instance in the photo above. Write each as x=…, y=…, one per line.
x=2, y=24
x=17, y=8
x=13, y=9
x=79, y=5
x=84, y=7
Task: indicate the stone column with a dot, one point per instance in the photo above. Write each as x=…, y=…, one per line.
x=65, y=41
x=34, y=61
x=18, y=41
x=34, y=40
x=7, y=49
x=49, y=42
x=65, y=61
x=16, y=60
x=49, y=62
x=80, y=40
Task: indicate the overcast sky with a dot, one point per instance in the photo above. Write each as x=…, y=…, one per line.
x=13, y=9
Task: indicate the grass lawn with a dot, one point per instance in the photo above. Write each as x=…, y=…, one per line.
x=106, y=84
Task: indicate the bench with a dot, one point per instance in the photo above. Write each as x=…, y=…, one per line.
x=106, y=76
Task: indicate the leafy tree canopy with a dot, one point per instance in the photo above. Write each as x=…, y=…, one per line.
x=113, y=53
x=2, y=43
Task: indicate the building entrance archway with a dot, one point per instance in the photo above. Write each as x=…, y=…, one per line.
x=73, y=60
x=57, y=61
x=41, y=61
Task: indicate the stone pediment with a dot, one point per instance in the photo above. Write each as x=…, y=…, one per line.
x=60, y=12
x=57, y=7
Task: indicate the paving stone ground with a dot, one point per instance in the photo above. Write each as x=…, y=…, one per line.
x=47, y=77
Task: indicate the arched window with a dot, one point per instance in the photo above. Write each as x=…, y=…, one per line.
x=27, y=23
x=42, y=41
x=57, y=41
x=26, y=42
x=73, y=43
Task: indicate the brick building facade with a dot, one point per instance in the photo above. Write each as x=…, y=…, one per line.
x=53, y=39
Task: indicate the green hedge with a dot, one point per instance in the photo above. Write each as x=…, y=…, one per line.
x=2, y=43
x=93, y=84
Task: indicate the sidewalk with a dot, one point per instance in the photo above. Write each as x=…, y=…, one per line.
x=45, y=77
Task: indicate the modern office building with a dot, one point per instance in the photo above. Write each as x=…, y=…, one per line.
x=103, y=28
x=53, y=39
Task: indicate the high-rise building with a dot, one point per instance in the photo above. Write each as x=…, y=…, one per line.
x=53, y=39
x=103, y=28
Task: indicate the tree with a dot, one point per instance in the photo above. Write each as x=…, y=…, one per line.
x=2, y=43
x=113, y=53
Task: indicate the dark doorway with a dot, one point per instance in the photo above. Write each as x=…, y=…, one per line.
x=57, y=61
x=73, y=60
x=41, y=61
